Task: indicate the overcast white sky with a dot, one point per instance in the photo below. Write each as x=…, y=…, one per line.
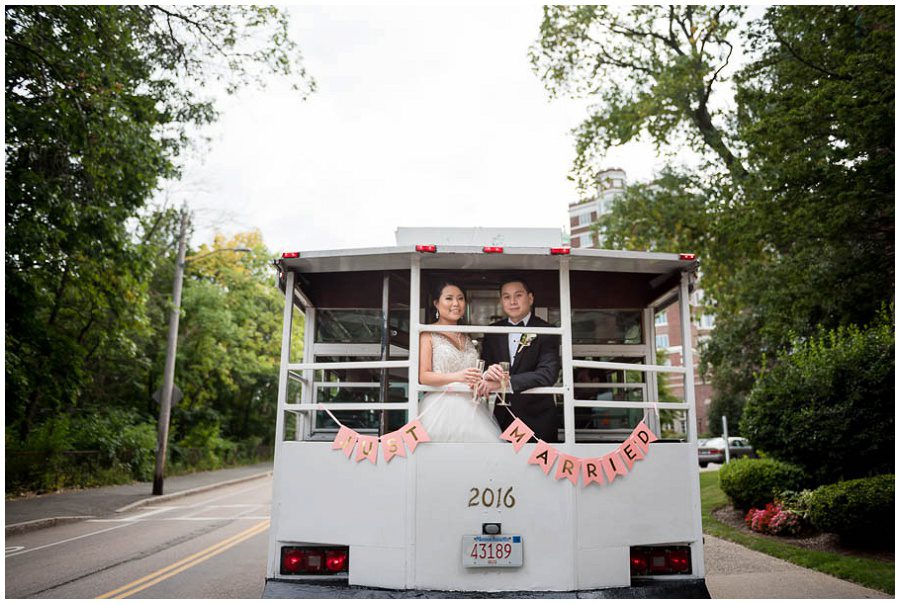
x=424, y=116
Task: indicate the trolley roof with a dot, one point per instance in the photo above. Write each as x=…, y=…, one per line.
x=475, y=258
x=599, y=278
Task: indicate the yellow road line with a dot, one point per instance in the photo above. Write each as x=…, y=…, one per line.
x=185, y=563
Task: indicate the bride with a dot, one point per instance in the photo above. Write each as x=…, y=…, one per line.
x=449, y=359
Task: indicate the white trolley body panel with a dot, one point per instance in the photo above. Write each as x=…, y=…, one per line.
x=404, y=520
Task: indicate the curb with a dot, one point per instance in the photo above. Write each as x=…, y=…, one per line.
x=33, y=525
x=185, y=493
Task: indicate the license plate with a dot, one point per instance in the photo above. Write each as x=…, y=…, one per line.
x=491, y=550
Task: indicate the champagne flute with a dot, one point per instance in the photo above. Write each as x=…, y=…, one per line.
x=479, y=365
x=504, y=365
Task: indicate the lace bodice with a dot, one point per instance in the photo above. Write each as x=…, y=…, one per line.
x=447, y=358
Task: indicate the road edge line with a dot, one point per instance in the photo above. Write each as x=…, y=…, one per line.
x=33, y=525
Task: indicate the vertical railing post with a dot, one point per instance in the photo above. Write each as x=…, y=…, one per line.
x=286, y=321
x=687, y=360
x=385, y=346
x=415, y=279
x=687, y=355
x=308, y=387
x=565, y=321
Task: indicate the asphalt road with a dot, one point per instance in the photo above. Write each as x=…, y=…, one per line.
x=209, y=545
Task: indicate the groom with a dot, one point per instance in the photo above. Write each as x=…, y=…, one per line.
x=533, y=361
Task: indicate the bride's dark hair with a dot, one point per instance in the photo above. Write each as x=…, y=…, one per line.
x=435, y=295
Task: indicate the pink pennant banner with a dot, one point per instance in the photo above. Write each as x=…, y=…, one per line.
x=518, y=433
x=392, y=445
x=590, y=471
x=568, y=467
x=613, y=466
x=367, y=449
x=636, y=447
x=414, y=434
x=627, y=453
x=543, y=455
x=345, y=440
x=645, y=435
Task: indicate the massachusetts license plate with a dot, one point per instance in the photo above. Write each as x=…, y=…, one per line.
x=491, y=550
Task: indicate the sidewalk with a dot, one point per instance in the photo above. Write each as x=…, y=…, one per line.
x=733, y=571
x=32, y=513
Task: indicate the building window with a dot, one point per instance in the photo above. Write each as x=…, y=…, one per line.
x=662, y=340
x=707, y=321
x=587, y=240
x=662, y=318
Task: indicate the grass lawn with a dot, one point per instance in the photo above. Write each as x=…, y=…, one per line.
x=864, y=571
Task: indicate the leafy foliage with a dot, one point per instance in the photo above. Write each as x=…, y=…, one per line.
x=652, y=71
x=860, y=511
x=828, y=404
x=100, y=102
x=756, y=482
x=794, y=224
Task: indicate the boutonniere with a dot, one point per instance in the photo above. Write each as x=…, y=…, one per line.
x=525, y=341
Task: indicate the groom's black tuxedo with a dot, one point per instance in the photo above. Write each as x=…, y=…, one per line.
x=534, y=366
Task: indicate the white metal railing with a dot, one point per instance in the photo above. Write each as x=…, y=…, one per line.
x=556, y=331
x=629, y=404
x=628, y=366
x=350, y=365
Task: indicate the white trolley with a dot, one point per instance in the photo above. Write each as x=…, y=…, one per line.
x=471, y=518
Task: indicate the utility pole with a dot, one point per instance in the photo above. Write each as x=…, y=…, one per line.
x=725, y=436
x=165, y=403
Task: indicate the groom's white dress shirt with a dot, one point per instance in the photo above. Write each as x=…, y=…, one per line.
x=514, y=339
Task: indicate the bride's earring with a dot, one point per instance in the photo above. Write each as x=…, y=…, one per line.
x=437, y=314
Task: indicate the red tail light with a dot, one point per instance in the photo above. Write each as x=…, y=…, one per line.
x=679, y=561
x=639, y=564
x=687, y=256
x=314, y=560
x=426, y=248
x=660, y=560
x=559, y=250
x=336, y=561
x=490, y=249
x=291, y=255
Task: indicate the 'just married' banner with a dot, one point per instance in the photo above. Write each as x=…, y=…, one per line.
x=587, y=471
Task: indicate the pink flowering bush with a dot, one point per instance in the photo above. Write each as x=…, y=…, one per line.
x=774, y=519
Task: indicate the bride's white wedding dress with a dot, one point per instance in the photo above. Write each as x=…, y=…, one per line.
x=452, y=416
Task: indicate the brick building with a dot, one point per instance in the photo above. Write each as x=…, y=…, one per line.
x=582, y=214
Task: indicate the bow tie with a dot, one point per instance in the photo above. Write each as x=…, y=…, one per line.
x=519, y=324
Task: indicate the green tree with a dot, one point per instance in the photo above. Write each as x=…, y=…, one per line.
x=801, y=234
x=100, y=101
x=229, y=344
x=651, y=70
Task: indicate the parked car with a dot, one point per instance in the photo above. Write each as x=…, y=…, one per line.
x=713, y=450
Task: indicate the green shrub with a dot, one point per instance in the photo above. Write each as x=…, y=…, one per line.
x=756, y=482
x=860, y=510
x=828, y=403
